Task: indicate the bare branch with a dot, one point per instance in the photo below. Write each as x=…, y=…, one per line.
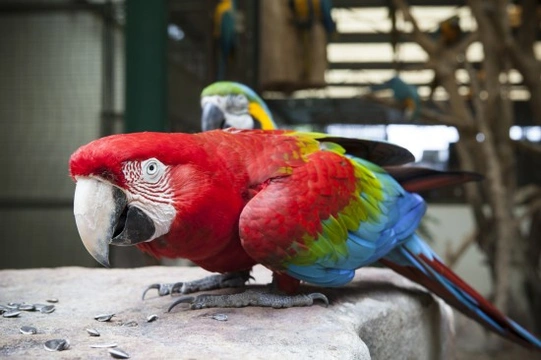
x=452, y=256
x=427, y=115
x=528, y=146
x=420, y=37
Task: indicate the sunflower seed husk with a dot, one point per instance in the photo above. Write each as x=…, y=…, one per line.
x=100, y=346
x=56, y=345
x=131, y=324
x=152, y=318
x=52, y=300
x=11, y=313
x=93, y=332
x=119, y=354
x=104, y=317
x=28, y=330
x=47, y=309
x=219, y=317
x=38, y=307
x=27, y=307
x=13, y=305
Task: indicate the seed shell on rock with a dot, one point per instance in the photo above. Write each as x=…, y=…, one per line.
x=56, y=345
x=47, y=309
x=52, y=300
x=104, y=317
x=219, y=317
x=118, y=354
x=27, y=307
x=28, y=330
x=93, y=332
x=152, y=318
x=11, y=313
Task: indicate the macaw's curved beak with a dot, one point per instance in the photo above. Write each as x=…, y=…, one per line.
x=103, y=216
x=212, y=117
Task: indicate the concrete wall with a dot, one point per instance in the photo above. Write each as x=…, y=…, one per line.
x=50, y=103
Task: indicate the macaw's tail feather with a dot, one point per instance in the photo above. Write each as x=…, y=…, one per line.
x=416, y=261
x=417, y=179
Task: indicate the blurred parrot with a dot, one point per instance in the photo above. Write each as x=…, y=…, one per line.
x=225, y=34
x=306, y=13
x=449, y=31
x=310, y=207
x=230, y=104
x=405, y=94
x=448, y=34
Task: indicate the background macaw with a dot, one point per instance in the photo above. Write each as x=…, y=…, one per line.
x=225, y=33
x=306, y=13
x=230, y=104
x=449, y=31
x=403, y=93
x=309, y=207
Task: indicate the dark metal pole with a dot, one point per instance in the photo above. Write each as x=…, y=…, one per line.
x=146, y=65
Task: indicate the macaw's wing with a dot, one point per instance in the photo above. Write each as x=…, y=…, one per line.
x=378, y=152
x=327, y=218
x=418, y=179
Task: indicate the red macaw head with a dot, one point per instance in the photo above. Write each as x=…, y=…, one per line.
x=130, y=187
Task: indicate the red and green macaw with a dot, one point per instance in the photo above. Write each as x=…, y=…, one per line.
x=230, y=104
x=309, y=207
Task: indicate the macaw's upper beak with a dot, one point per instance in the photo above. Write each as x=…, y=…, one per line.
x=103, y=217
x=212, y=117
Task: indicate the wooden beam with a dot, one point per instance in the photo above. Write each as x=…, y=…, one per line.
x=385, y=3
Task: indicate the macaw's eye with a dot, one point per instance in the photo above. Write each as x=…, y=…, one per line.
x=152, y=170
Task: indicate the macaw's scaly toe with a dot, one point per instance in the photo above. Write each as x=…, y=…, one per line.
x=163, y=289
x=212, y=282
x=260, y=298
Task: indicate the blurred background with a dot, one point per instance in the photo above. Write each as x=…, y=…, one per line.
x=456, y=82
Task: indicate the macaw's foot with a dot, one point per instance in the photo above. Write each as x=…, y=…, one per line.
x=250, y=298
x=212, y=282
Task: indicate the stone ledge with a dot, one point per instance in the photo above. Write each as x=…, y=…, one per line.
x=380, y=315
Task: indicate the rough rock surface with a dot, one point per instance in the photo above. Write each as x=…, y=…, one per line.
x=379, y=315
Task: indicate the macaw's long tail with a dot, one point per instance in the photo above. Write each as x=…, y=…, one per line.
x=416, y=261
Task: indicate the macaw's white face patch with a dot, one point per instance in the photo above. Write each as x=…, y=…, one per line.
x=234, y=108
x=148, y=188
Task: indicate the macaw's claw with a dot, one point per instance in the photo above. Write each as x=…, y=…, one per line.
x=250, y=298
x=212, y=282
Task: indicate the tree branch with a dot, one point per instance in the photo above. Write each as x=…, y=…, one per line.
x=452, y=256
x=427, y=115
x=427, y=43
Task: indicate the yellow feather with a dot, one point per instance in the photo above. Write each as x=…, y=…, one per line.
x=260, y=115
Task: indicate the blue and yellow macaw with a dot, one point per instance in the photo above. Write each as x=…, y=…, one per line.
x=225, y=34
x=230, y=104
x=449, y=31
x=405, y=94
x=307, y=12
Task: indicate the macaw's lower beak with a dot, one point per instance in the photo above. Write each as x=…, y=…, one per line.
x=212, y=117
x=103, y=216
